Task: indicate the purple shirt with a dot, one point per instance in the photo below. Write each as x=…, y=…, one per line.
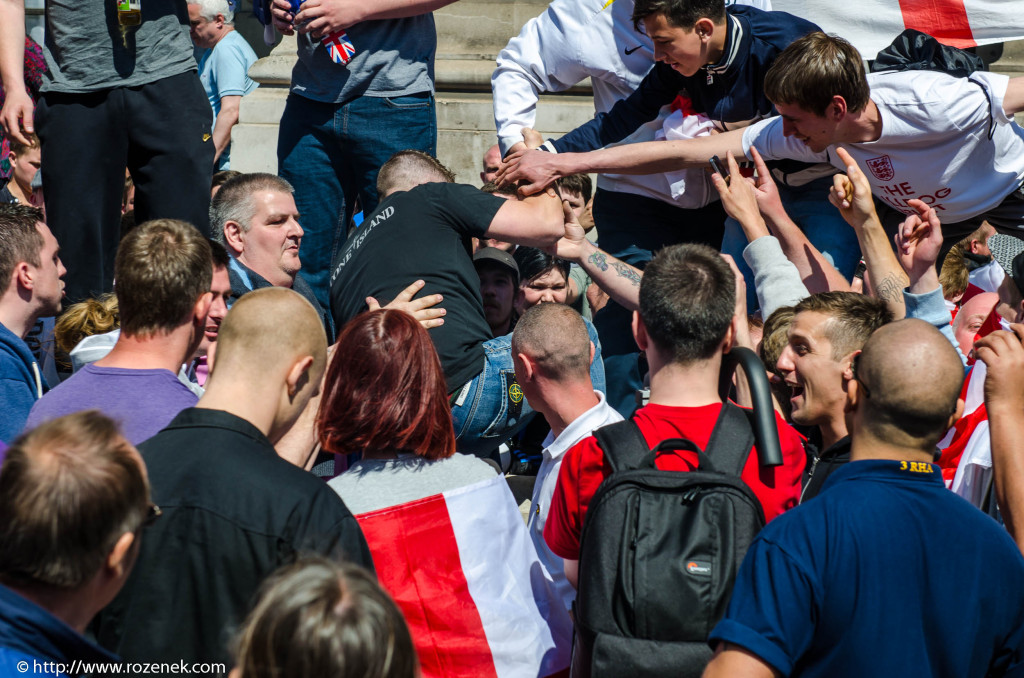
x=141, y=401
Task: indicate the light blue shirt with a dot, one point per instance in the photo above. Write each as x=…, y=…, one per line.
x=223, y=71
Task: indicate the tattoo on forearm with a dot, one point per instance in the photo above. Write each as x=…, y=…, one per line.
x=599, y=259
x=626, y=271
x=890, y=289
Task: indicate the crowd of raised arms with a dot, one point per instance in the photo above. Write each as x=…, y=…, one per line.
x=750, y=406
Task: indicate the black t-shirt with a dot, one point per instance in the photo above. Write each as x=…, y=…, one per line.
x=422, y=234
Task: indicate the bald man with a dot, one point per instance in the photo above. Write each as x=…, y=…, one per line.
x=971, y=317
x=886, y=572
x=551, y=353
x=233, y=509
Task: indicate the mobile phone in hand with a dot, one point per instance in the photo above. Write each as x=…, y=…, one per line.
x=719, y=167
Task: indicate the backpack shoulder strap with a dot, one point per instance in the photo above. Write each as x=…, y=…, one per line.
x=731, y=440
x=623, y=445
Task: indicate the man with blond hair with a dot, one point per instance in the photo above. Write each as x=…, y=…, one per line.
x=234, y=511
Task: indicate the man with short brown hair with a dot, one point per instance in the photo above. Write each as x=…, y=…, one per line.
x=30, y=288
x=73, y=500
x=827, y=332
x=163, y=293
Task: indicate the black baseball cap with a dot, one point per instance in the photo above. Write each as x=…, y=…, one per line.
x=498, y=256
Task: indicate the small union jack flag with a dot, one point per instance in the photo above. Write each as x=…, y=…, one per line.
x=339, y=47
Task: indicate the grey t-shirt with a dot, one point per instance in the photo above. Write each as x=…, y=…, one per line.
x=85, y=53
x=393, y=57
x=372, y=484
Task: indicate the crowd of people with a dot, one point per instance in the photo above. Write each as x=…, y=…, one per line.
x=270, y=424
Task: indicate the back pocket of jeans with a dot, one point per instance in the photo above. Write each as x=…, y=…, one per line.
x=409, y=101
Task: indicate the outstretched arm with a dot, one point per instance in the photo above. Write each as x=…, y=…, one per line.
x=918, y=242
x=538, y=169
x=617, y=278
x=16, y=114
x=535, y=220
x=851, y=194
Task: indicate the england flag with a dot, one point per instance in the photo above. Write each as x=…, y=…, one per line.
x=462, y=569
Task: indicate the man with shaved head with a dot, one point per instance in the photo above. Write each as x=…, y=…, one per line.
x=234, y=511
x=551, y=352
x=856, y=582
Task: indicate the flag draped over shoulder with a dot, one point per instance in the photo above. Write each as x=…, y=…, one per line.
x=461, y=567
x=872, y=24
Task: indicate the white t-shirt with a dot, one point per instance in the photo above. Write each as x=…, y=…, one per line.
x=547, y=477
x=934, y=145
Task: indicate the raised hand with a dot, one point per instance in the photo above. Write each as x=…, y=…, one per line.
x=851, y=192
x=281, y=11
x=767, y=193
x=1003, y=355
x=571, y=245
x=739, y=200
x=918, y=242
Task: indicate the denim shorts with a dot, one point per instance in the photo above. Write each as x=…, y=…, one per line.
x=491, y=408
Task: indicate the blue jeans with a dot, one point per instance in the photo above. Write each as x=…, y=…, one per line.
x=809, y=208
x=493, y=408
x=331, y=154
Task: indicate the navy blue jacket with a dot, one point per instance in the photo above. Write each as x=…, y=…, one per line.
x=20, y=383
x=734, y=98
x=30, y=635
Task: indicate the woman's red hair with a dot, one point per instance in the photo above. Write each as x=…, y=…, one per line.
x=385, y=390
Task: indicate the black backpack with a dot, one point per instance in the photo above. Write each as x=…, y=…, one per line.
x=916, y=51
x=660, y=550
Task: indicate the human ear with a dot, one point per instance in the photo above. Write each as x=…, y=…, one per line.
x=639, y=332
x=118, y=558
x=298, y=375
x=233, y=236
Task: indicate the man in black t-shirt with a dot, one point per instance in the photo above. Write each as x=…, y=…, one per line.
x=422, y=229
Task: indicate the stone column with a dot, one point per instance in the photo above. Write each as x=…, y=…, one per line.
x=254, y=138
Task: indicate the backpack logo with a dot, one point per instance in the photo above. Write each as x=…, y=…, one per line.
x=881, y=167
x=699, y=567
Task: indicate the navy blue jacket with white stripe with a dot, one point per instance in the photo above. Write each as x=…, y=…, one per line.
x=730, y=93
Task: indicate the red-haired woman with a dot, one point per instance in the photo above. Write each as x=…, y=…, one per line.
x=385, y=397
x=447, y=538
